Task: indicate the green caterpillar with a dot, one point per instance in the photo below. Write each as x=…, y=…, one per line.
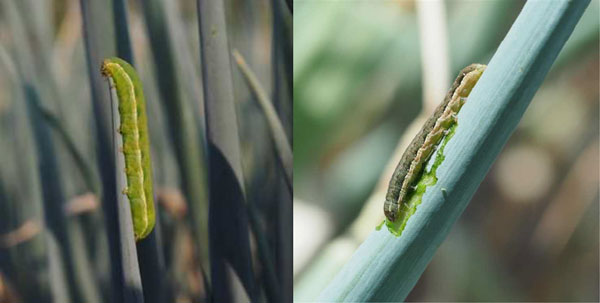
x=136, y=145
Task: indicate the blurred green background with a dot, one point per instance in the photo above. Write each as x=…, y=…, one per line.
x=531, y=231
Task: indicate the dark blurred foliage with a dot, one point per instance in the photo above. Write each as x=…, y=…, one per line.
x=55, y=232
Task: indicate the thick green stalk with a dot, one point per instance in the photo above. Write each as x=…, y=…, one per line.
x=131, y=271
x=124, y=49
x=228, y=225
x=386, y=268
x=94, y=29
x=182, y=127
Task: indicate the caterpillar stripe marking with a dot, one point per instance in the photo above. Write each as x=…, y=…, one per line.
x=413, y=161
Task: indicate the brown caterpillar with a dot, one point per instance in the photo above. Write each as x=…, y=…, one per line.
x=411, y=166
